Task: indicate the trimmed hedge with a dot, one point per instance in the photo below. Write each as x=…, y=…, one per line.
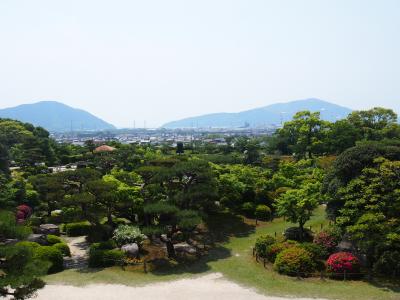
x=53, y=239
x=295, y=261
x=78, y=228
x=316, y=251
x=295, y=234
x=31, y=245
x=63, y=248
x=52, y=255
x=262, y=244
x=104, y=255
x=262, y=212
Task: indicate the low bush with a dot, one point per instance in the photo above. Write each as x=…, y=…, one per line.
x=262, y=243
x=295, y=261
x=31, y=245
x=63, y=248
x=328, y=239
x=126, y=234
x=341, y=262
x=276, y=248
x=316, y=251
x=77, y=229
x=103, y=255
x=295, y=234
x=263, y=212
x=99, y=233
x=53, y=239
x=51, y=255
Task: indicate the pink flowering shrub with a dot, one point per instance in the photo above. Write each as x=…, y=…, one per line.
x=326, y=240
x=343, y=261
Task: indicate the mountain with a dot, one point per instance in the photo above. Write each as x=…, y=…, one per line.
x=55, y=117
x=270, y=115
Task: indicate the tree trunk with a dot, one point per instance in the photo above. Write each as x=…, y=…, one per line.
x=170, y=248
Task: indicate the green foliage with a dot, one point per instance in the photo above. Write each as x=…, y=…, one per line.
x=126, y=234
x=316, y=251
x=9, y=228
x=63, y=248
x=53, y=239
x=298, y=234
x=388, y=264
x=188, y=219
x=248, y=209
x=104, y=255
x=31, y=245
x=262, y=212
x=160, y=208
x=262, y=244
x=295, y=261
x=51, y=255
x=78, y=228
x=276, y=248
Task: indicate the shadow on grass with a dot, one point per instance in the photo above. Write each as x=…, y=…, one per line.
x=392, y=285
x=223, y=225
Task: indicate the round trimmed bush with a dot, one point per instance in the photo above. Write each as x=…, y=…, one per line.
x=248, y=209
x=77, y=229
x=294, y=261
x=51, y=255
x=276, y=248
x=316, y=251
x=31, y=245
x=63, y=248
x=341, y=262
x=262, y=243
x=295, y=234
x=104, y=255
x=53, y=239
x=263, y=212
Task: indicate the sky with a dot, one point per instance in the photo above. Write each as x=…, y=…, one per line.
x=157, y=61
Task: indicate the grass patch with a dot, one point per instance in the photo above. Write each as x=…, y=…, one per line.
x=233, y=258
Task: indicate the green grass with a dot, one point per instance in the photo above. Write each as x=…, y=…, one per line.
x=233, y=258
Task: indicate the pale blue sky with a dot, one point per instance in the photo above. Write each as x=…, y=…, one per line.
x=164, y=60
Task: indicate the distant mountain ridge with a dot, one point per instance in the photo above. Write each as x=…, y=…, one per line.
x=269, y=115
x=55, y=117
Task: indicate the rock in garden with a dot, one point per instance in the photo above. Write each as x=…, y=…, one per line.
x=50, y=229
x=38, y=238
x=185, y=247
x=131, y=250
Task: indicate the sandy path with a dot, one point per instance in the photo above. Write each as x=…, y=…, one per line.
x=79, y=252
x=208, y=287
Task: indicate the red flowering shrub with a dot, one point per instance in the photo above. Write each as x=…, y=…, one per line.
x=326, y=240
x=343, y=261
x=23, y=211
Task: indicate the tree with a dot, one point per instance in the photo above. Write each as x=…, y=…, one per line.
x=179, y=148
x=371, y=211
x=297, y=205
x=304, y=134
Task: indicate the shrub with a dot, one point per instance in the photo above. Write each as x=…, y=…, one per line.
x=263, y=212
x=53, y=239
x=388, y=263
x=316, y=251
x=77, y=229
x=327, y=239
x=262, y=243
x=126, y=234
x=103, y=255
x=31, y=245
x=248, y=209
x=294, y=261
x=51, y=255
x=24, y=211
x=276, y=248
x=63, y=248
x=341, y=262
x=99, y=233
x=295, y=234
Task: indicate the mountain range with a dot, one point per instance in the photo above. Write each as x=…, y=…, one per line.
x=55, y=117
x=270, y=115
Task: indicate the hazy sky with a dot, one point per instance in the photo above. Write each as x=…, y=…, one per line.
x=164, y=60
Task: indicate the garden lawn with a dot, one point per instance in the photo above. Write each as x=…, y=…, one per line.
x=234, y=260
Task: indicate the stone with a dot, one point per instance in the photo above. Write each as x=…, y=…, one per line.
x=38, y=238
x=131, y=250
x=185, y=247
x=49, y=229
